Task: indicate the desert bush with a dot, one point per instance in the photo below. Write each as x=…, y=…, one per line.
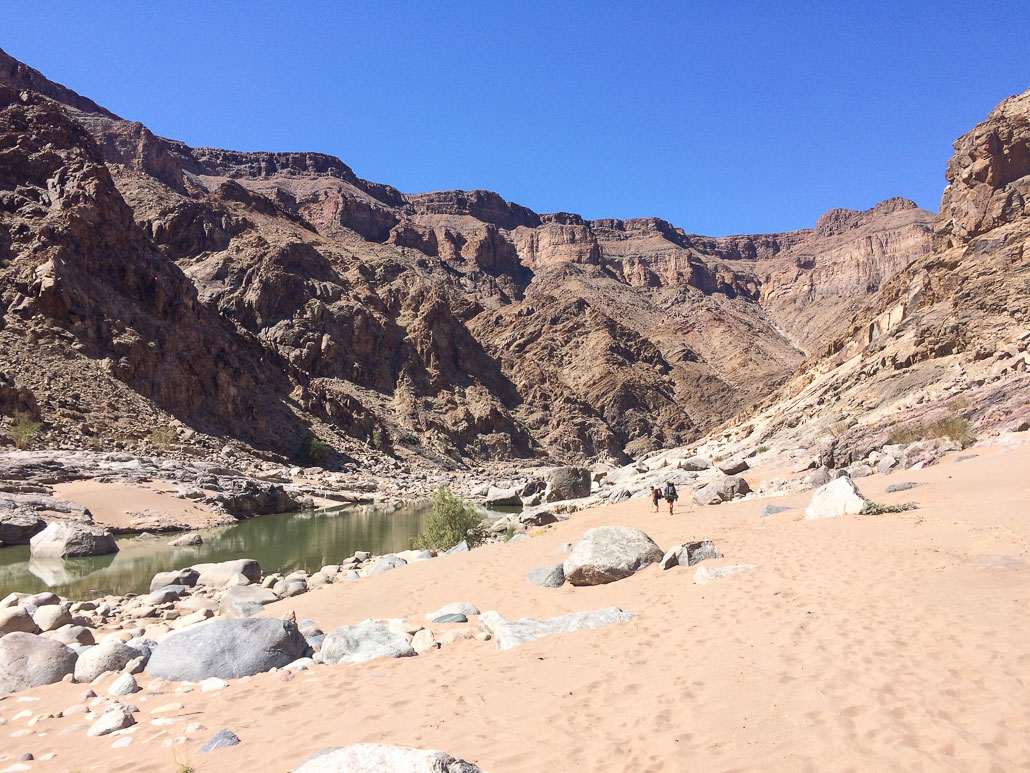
x=24, y=430
x=954, y=427
x=315, y=452
x=959, y=404
x=509, y=532
x=379, y=439
x=839, y=429
x=875, y=508
x=163, y=437
x=718, y=458
x=450, y=522
x=762, y=449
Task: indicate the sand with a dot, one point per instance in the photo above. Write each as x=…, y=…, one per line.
x=895, y=642
x=121, y=508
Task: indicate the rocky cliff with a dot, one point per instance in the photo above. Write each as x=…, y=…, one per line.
x=242, y=293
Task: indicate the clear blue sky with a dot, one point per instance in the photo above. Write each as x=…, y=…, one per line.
x=720, y=117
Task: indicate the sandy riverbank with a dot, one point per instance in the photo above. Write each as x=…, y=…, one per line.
x=860, y=643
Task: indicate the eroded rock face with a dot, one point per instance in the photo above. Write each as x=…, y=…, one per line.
x=609, y=553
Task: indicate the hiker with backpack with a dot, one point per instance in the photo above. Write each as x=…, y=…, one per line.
x=670, y=495
x=656, y=495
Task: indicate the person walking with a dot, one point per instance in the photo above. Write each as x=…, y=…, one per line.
x=670, y=495
x=656, y=495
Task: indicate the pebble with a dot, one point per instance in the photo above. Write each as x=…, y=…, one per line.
x=213, y=683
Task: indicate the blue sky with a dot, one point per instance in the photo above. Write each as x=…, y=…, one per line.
x=719, y=117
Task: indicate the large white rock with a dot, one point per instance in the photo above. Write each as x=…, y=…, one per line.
x=366, y=641
x=27, y=660
x=69, y=540
x=512, y=633
x=838, y=497
x=109, y=655
x=381, y=758
x=609, y=553
x=17, y=619
x=226, y=572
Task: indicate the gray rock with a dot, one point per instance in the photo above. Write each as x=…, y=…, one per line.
x=705, y=574
x=227, y=649
x=884, y=466
x=246, y=594
x=18, y=526
x=690, y=553
x=366, y=641
x=63, y=539
x=381, y=758
x=219, y=740
x=461, y=547
x=773, y=509
x=694, y=464
x=732, y=466
x=455, y=608
x=186, y=540
x=187, y=577
x=224, y=573
x=519, y=538
x=237, y=610
x=123, y=685
x=384, y=564
x=17, y=619
x=838, y=497
x=110, y=721
x=27, y=660
x=609, y=553
x=896, y=487
x=566, y=483
x=721, y=491
x=51, y=617
x=109, y=655
x=502, y=497
x=537, y=518
x=166, y=594
x=452, y=618
x=512, y=633
x=818, y=478
x=547, y=576
x=73, y=634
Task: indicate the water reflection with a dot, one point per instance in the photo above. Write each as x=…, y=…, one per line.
x=279, y=542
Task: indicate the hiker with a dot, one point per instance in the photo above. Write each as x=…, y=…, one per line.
x=656, y=494
x=670, y=495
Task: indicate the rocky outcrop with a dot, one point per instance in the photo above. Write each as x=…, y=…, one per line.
x=72, y=540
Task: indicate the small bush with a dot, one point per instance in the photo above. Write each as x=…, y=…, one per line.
x=840, y=429
x=959, y=404
x=450, y=522
x=379, y=439
x=24, y=430
x=509, y=532
x=164, y=437
x=315, y=452
x=875, y=508
x=954, y=427
x=718, y=458
x=5, y=263
x=762, y=449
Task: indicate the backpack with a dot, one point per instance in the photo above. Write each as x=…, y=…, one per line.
x=670, y=492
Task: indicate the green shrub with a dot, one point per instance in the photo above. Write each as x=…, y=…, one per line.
x=509, y=532
x=315, y=452
x=450, y=522
x=762, y=449
x=24, y=430
x=379, y=439
x=875, y=508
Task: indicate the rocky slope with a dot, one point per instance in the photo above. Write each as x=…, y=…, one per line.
x=290, y=296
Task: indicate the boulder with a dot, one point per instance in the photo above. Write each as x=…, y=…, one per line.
x=16, y=619
x=512, y=633
x=187, y=577
x=384, y=564
x=694, y=464
x=837, y=497
x=27, y=660
x=219, y=740
x=51, y=617
x=547, y=576
x=63, y=539
x=609, y=553
x=451, y=618
x=109, y=655
x=705, y=574
x=380, y=758
x=502, y=497
x=537, y=518
x=365, y=641
x=461, y=547
x=227, y=649
x=455, y=608
x=17, y=527
x=225, y=573
x=732, y=466
x=423, y=640
x=721, y=491
x=566, y=483
x=123, y=685
x=166, y=594
x=109, y=721
x=246, y=594
x=186, y=540
x=690, y=553
x=818, y=478
x=773, y=509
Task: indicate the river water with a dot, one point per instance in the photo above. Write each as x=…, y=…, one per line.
x=279, y=543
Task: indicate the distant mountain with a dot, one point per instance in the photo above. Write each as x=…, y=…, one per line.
x=259, y=297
